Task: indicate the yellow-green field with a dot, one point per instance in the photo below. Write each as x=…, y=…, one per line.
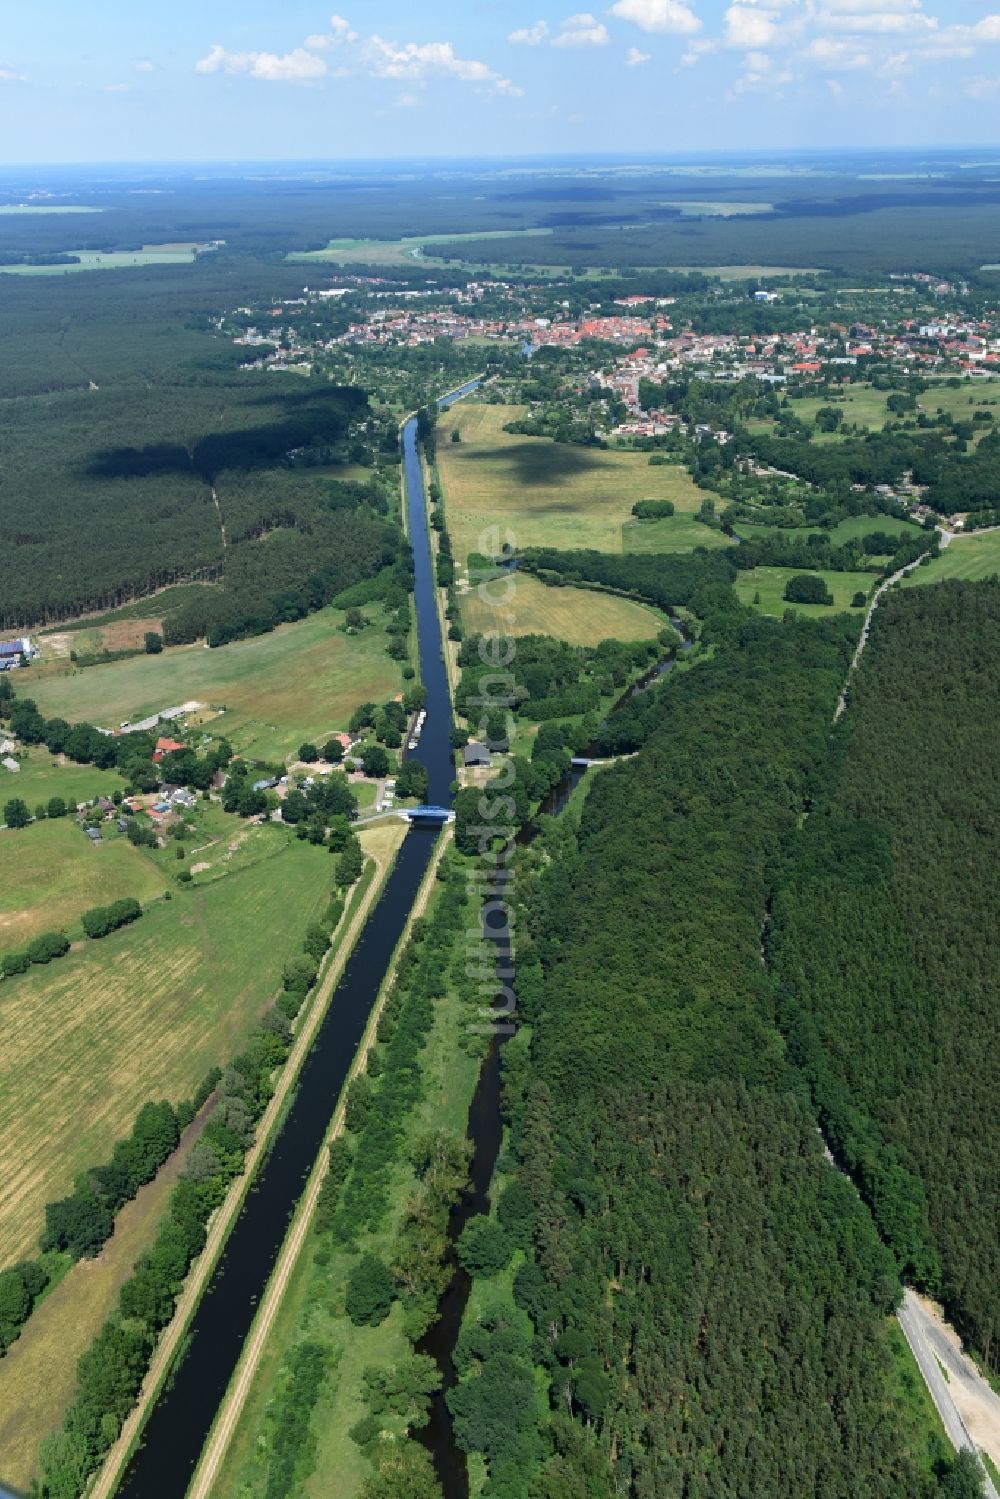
x=542, y=493
x=524, y=606
x=142, y=1014
x=300, y=682
x=50, y=873
x=114, y=260
x=770, y=582
x=968, y=557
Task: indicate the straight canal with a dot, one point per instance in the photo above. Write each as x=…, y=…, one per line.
x=180, y=1421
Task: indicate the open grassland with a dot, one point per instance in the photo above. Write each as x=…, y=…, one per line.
x=141, y=1015
x=770, y=582
x=845, y=530
x=863, y=406
x=583, y=616
x=300, y=682
x=43, y=776
x=672, y=533
x=50, y=874
x=542, y=493
x=859, y=405
x=968, y=557
x=963, y=400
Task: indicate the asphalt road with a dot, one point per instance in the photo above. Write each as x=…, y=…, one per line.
x=929, y=1344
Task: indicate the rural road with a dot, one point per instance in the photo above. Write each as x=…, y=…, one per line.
x=968, y=1407
x=866, y=629
x=108, y=1476
x=235, y=1399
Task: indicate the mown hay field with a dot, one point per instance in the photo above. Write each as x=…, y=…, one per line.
x=50, y=873
x=142, y=1014
x=541, y=492
x=300, y=682
x=519, y=604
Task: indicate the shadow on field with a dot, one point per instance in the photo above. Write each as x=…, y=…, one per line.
x=537, y=460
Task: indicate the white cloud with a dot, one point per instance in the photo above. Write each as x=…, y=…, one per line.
x=145, y=66
x=529, y=36
x=670, y=16
x=582, y=30
x=986, y=30
x=830, y=53
x=8, y=76
x=981, y=87
x=415, y=60
x=750, y=28
x=342, y=29
x=117, y=88
x=297, y=66
x=635, y=59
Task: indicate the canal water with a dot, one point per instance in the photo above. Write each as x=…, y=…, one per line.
x=175, y=1433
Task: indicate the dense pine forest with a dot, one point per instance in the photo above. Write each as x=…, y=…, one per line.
x=108, y=494
x=708, y=1295
x=884, y=944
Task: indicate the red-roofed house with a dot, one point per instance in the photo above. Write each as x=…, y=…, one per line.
x=165, y=747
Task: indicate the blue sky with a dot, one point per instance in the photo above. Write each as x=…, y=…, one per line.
x=220, y=80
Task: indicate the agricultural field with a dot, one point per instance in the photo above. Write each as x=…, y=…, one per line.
x=542, y=493
x=769, y=583
x=583, y=616
x=115, y=260
x=52, y=873
x=37, y=1377
x=967, y=557
x=142, y=1014
x=399, y=252
x=43, y=776
x=302, y=681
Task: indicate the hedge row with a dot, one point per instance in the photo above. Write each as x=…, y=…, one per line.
x=45, y=947
x=100, y=920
